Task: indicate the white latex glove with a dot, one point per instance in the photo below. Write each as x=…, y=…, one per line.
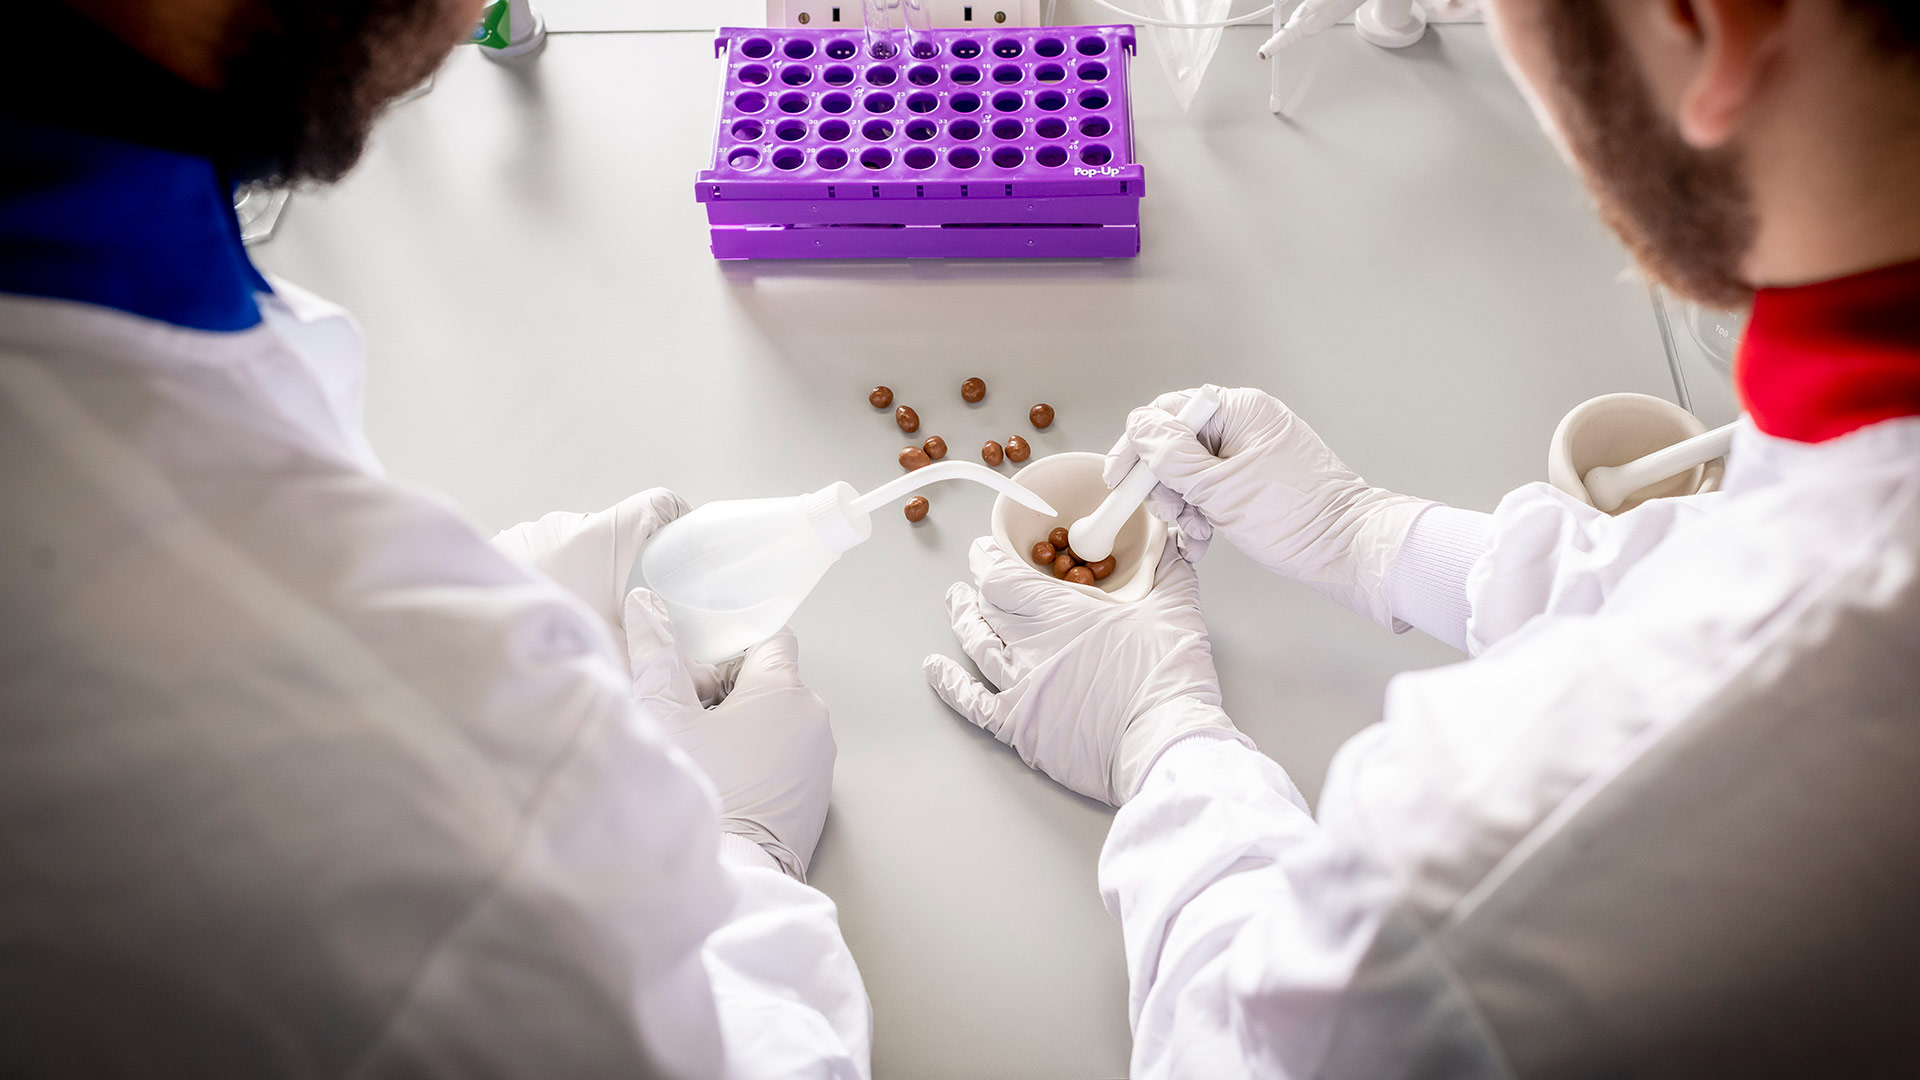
x=767, y=747
x=1257, y=475
x=591, y=555
x=1090, y=691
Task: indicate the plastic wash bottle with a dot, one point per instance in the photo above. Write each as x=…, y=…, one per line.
x=732, y=572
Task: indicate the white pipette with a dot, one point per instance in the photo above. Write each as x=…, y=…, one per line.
x=1610, y=485
x=1091, y=537
x=950, y=470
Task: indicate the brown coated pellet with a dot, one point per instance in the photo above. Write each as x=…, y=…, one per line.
x=908, y=420
x=1058, y=537
x=1103, y=569
x=913, y=457
x=935, y=447
x=973, y=391
x=1044, y=553
x=1080, y=575
x=1041, y=415
x=880, y=397
x=1062, y=563
x=1017, y=449
x=991, y=453
x=916, y=508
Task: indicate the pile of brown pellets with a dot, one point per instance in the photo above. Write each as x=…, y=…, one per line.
x=973, y=392
x=1053, y=552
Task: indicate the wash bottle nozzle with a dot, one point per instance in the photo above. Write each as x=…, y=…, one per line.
x=732, y=572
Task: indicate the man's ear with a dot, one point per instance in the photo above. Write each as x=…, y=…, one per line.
x=1728, y=47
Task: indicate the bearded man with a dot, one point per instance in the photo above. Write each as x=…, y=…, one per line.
x=1664, y=822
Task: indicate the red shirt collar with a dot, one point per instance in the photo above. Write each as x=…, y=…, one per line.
x=1822, y=360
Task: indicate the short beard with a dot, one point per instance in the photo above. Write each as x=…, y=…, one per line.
x=1686, y=214
x=308, y=78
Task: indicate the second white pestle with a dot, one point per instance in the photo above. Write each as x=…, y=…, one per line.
x=1092, y=536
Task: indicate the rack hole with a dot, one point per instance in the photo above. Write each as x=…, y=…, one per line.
x=793, y=103
x=923, y=75
x=748, y=130
x=796, y=74
x=965, y=103
x=798, y=49
x=841, y=49
x=963, y=157
x=922, y=102
x=1008, y=157
x=1050, y=100
x=925, y=50
x=835, y=130
x=1007, y=129
x=963, y=130
x=877, y=130
x=965, y=49
x=1095, y=126
x=1007, y=48
x=837, y=75
x=788, y=158
x=876, y=157
x=755, y=74
x=743, y=157
x=882, y=75
x=750, y=101
x=1049, y=73
x=878, y=103
x=1007, y=74
x=1051, y=156
x=921, y=130
x=1091, y=45
x=790, y=130
x=918, y=158
x=1050, y=127
x=1093, y=99
x=837, y=103
x=1092, y=72
x=1007, y=101
x=1050, y=46
x=965, y=75
x=882, y=50
x=831, y=158
x=1095, y=154
x=756, y=48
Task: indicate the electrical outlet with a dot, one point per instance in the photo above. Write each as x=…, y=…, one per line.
x=830, y=14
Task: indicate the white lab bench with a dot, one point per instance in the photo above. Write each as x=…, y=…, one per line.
x=1407, y=263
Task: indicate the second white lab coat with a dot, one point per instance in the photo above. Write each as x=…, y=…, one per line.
x=301, y=777
x=1665, y=823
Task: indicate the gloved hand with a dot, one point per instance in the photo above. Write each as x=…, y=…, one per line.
x=1257, y=475
x=591, y=555
x=1090, y=691
x=767, y=747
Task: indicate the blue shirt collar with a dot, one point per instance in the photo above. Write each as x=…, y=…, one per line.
x=143, y=230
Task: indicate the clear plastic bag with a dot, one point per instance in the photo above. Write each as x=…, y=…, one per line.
x=1185, y=54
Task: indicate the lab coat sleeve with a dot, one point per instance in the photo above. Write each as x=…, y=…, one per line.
x=1231, y=898
x=1550, y=553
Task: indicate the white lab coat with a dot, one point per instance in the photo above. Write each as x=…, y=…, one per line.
x=1665, y=823
x=301, y=777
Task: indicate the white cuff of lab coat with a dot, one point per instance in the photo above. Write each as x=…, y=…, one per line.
x=737, y=850
x=1427, y=587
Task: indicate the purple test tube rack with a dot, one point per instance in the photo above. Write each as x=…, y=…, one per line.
x=1011, y=143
